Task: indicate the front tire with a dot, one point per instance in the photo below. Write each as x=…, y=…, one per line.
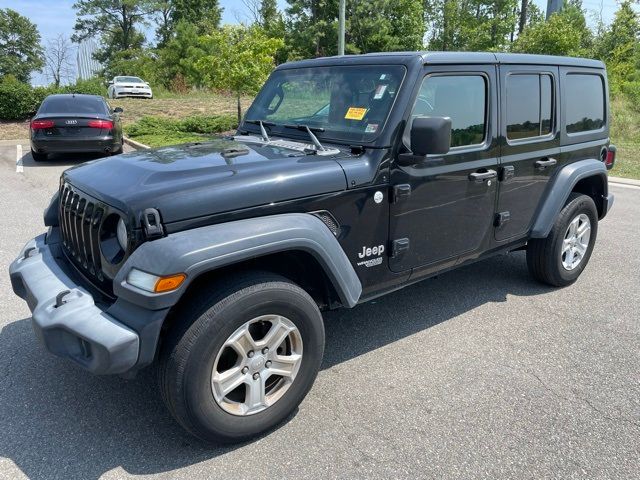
x=559, y=259
x=241, y=359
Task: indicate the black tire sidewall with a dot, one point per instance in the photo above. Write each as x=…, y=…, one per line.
x=580, y=204
x=215, y=326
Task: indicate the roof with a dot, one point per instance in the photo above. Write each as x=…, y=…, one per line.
x=73, y=95
x=439, y=58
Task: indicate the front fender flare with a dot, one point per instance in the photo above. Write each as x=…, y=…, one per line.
x=561, y=187
x=207, y=248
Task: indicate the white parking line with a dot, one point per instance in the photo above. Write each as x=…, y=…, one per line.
x=19, y=167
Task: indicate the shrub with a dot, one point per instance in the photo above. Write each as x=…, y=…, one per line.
x=157, y=131
x=91, y=86
x=631, y=90
x=216, y=124
x=17, y=99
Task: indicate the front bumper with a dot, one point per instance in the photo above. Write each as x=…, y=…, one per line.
x=133, y=93
x=70, y=324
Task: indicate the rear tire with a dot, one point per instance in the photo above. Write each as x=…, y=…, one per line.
x=560, y=258
x=194, y=349
x=39, y=157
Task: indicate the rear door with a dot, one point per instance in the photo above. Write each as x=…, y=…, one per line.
x=531, y=144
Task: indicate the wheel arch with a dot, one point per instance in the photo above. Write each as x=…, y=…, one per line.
x=297, y=246
x=585, y=176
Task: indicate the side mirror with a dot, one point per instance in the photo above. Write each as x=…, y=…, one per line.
x=429, y=136
x=110, y=82
x=118, y=110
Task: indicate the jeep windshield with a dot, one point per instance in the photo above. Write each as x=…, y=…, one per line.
x=342, y=103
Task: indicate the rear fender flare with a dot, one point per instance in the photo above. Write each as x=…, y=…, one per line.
x=205, y=249
x=561, y=187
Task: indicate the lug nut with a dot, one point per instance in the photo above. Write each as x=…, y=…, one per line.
x=245, y=370
x=250, y=353
x=268, y=364
x=256, y=376
x=265, y=350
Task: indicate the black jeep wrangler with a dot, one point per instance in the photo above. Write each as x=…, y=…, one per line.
x=349, y=178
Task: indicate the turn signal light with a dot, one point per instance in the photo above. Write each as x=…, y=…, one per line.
x=154, y=283
x=166, y=284
x=104, y=124
x=41, y=124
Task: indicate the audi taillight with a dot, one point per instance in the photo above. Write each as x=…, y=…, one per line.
x=103, y=124
x=610, y=159
x=41, y=124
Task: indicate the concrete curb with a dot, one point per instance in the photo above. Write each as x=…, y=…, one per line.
x=136, y=145
x=624, y=181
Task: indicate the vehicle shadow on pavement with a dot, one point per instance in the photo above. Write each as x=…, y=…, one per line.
x=58, y=421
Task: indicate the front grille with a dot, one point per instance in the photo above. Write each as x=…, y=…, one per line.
x=80, y=217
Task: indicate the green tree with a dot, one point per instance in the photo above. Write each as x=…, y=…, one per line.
x=178, y=59
x=565, y=33
x=618, y=45
x=384, y=25
x=116, y=22
x=239, y=61
x=312, y=28
x=471, y=24
x=373, y=25
x=204, y=14
x=20, y=50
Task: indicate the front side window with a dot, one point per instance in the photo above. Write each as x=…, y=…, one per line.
x=459, y=97
x=584, y=95
x=529, y=105
x=349, y=103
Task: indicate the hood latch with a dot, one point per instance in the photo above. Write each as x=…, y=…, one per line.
x=151, y=223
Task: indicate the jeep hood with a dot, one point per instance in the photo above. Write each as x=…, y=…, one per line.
x=194, y=180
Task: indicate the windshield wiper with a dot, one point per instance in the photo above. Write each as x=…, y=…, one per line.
x=310, y=131
x=263, y=131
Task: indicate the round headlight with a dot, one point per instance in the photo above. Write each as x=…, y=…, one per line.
x=122, y=234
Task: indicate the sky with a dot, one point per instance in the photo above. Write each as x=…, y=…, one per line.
x=57, y=16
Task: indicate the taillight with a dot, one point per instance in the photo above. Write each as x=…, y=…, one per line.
x=103, y=124
x=41, y=124
x=610, y=159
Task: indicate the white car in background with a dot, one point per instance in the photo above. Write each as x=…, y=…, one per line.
x=129, y=87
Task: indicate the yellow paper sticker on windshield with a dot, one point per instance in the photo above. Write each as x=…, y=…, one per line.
x=355, y=113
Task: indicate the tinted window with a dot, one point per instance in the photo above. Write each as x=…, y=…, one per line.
x=462, y=98
x=529, y=106
x=585, y=102
x=80, y=105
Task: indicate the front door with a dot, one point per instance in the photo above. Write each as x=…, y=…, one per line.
x=443, y=207
x=531, y=144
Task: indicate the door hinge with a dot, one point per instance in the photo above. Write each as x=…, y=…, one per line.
x=507, y=173
x=401, y=191
x=502, y=218
x=399, y=246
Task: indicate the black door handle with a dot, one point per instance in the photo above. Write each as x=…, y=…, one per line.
x=482, y=176
x=545, y=162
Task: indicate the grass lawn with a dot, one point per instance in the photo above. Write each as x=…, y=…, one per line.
x=625, y=135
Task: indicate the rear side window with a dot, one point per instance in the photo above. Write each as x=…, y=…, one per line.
x=73, y=105
x=529, y=105
x=585, y=105
x=460, y=97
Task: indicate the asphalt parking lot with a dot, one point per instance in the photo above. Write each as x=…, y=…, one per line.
x=479, y=373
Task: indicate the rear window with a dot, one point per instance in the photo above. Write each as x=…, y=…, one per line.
x=79, y=105
x=585, y=107
x=529, y=105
